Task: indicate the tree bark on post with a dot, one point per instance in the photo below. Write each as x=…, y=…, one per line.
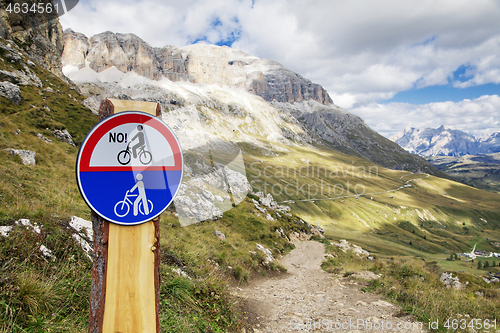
x=101, y=228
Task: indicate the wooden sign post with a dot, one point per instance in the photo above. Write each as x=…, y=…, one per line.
x=126, y=263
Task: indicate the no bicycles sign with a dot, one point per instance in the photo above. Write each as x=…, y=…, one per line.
x=129, y=168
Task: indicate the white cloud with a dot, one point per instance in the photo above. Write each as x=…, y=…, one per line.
x=476, y=117
x=361, y=51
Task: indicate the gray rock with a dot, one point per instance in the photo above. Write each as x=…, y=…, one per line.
x=28, y=157
x=283, y=85
x=5, y=230
x=83, y=227
x=268, y=201
x=92, y=103
x=180, y=272
x=47, y=252
x=8, y=76
x=451, y=282
x=39, y=135
x=259, y=208
x=318, y=231
x=346, y=246
x=195, y=208
x=22, y=77
x=196, y=201
x=219, y=235
x=63, y=136
x=268, y=254
x=10, y=91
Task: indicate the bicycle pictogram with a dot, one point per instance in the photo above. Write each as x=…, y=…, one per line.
x=141, y=204
x=125, y=155
x=137, y=150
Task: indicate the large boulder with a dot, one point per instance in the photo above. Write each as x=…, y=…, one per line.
x=10, y=91
x=451, y=282
x=28, y=157
x=63, y=136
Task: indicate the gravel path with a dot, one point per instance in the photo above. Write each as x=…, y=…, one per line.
x=309, y=299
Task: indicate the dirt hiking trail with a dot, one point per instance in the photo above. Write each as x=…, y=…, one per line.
x=307, y=298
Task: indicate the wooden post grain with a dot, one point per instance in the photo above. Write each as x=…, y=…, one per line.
x=126, y=263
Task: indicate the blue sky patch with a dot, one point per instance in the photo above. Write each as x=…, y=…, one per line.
x=443, y=93
x=233, y=37
x=227, y=38
x=459, y=74
x=427, y=41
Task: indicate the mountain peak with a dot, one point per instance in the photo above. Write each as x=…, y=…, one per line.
x=198, y=63
x=444, y=141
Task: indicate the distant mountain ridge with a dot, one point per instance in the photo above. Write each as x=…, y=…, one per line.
x=444, y=141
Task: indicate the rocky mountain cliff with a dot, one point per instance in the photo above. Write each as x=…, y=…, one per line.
x=197, y=64
x=444, y=141
x=39, y=34
x=220, y=92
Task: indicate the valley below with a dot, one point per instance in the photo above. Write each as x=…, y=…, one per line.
x=480, y=171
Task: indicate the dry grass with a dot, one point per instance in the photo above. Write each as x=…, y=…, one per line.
x=415, y=285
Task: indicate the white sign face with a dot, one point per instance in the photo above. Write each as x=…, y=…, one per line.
x=132, y=146
x=129, y=168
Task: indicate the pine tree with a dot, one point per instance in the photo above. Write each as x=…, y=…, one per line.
x=479, y=265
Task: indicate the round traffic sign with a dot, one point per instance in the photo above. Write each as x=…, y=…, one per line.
x=129, y=167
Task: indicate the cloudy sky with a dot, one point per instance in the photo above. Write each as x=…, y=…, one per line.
x=395, y=63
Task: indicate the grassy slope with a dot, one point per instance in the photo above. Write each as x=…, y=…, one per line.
x=436, y=215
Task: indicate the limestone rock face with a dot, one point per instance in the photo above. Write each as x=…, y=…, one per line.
x=76, y=49
x=208, y=64
x=41, y=34
x=282, y=85
x=10, y=91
